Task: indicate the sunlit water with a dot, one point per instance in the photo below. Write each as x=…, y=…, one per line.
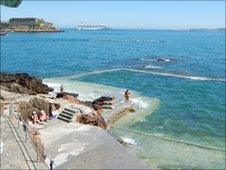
x=187, y=126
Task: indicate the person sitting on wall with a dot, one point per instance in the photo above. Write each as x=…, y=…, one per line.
x=43, y=116
x=35, y=118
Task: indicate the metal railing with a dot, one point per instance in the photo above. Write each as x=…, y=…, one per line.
x=27, y=134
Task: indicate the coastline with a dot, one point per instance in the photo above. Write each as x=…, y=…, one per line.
x=157, y=143
x=101, y=145
x=121, y=131
x=31, y=30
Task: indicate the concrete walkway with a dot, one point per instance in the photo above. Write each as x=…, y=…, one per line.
x=17, y=153
x=76, y=146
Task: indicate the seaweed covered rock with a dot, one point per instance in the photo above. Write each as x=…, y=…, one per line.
x=24, y=84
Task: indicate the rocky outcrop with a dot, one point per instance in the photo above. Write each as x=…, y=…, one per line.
x=24, y=84
x=65, y=94
x=95, y=120
x=35, y=104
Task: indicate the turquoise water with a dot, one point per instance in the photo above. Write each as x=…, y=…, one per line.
x=190, y=84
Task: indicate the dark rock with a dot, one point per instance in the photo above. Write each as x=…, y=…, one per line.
x=105, y=98
x=95, y=120
x=20, y=89
x=24, y=84
x=122, y=142
x=62, y=94
x=73, y=94
x=99, y=103
x=1, y=97
x=163, y=60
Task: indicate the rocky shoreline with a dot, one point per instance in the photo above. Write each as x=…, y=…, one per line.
x=31, y=30
x=23, y=83
x=28, y=93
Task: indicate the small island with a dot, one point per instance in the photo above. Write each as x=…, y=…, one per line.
x=27, y=25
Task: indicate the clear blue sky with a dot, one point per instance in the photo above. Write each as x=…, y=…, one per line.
x=124, y=14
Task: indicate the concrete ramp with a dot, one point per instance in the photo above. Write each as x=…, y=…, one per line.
x=76, y=146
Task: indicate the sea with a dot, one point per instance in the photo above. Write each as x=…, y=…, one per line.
x=182, y=71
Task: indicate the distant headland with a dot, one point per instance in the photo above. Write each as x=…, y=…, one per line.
x=207, y=29
x=28, y=25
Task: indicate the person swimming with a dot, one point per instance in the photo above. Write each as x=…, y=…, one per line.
x=127, y=95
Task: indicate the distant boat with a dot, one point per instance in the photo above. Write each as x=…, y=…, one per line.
x=92, y=27
x=3, y=33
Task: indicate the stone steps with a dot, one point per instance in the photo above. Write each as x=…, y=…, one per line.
x=67, y=114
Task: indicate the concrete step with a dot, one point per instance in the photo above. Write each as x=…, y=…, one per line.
x=64, y=119
x=70, y=110
x=66, y=115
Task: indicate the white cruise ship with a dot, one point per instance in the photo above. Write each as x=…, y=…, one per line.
x=83, y=26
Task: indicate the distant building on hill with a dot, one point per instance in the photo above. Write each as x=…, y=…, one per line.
x=30, y=22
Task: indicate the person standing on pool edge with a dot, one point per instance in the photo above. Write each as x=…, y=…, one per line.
x=127, y=95
x=61, y=88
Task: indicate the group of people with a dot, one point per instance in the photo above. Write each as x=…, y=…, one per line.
x=39, y=117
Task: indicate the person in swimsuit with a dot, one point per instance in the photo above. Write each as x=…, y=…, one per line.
x=127, y=95
x=61, y=88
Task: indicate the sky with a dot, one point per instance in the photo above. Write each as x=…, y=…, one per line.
x=124, y=14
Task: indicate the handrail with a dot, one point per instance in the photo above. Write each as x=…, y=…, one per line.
x=12, y=127
x=24, y=124
x=38, y=145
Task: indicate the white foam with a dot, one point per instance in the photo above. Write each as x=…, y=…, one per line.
x=151, y=66
x=143, y=120
x=77, y=152
x=147, y=59
x=166, y=74
x=129, y=141
x=139, y=102
x=177, y=75
x=167, y=60
x=83, y=128
x=60, y=159
x=64, y=147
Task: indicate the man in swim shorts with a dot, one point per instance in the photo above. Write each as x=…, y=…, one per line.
x=127, y=95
